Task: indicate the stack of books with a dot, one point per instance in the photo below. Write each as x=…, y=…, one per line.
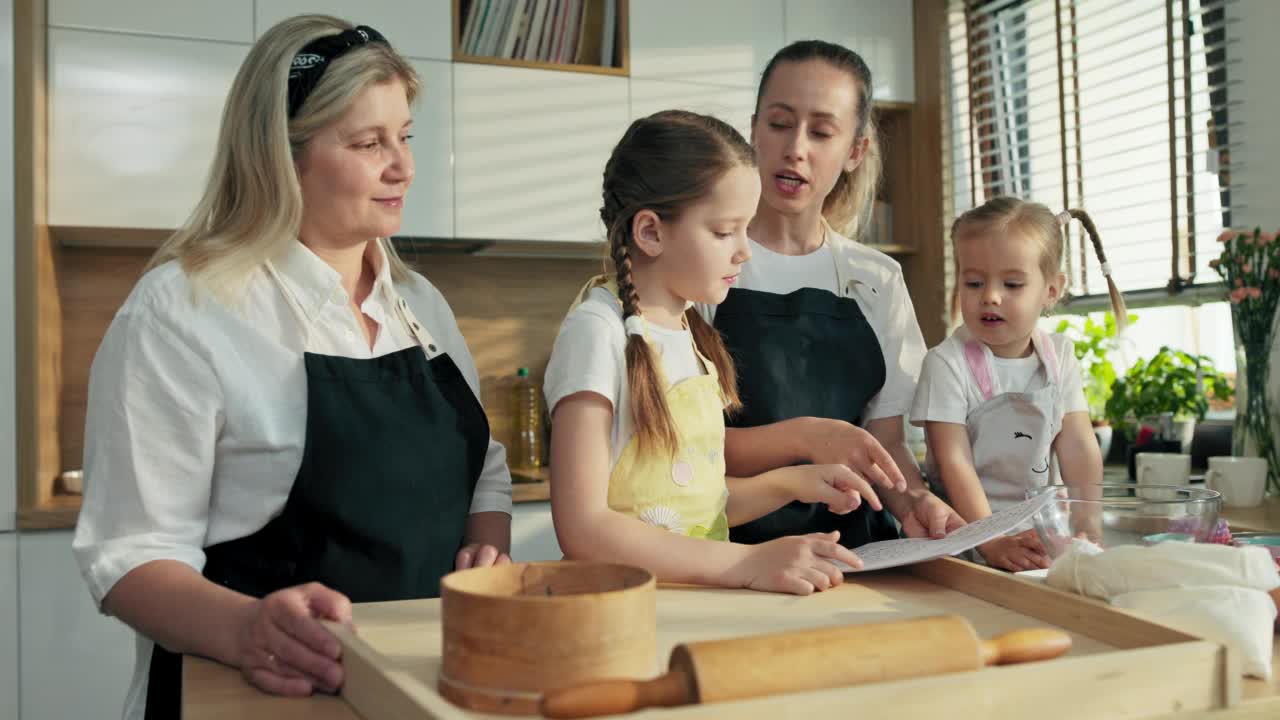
x=550, y=31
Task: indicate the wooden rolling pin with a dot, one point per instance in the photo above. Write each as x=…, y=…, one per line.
x=739, y=668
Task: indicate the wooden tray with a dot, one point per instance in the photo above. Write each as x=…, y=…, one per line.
x=1120, y=667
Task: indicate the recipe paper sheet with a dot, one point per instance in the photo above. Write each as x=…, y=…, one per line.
x=892, y=553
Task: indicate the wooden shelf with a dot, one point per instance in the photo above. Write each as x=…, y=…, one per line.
x=533, y=65
x=622, y=54
x=893, y=124
x=57, y=513
x=893, y=249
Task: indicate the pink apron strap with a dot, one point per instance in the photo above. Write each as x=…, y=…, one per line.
x=1048, y=355
x=979, y=368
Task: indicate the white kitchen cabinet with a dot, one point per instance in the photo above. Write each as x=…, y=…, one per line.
x=533, y=537
x=133, y=123
x=881, y=32
x=530, y=148
x=732, y=105
x=417, y=28
x=8, y=340
x=8, y=623
x=714, y=42
x=227, y=20
x=428, y=211
x=75, y=662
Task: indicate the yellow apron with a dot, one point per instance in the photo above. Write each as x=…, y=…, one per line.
x=686, y=493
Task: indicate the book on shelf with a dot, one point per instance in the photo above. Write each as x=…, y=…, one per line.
x=609, y=32
x=514, y=25
x=533, y=39
x=469, y=29
x=582, y=32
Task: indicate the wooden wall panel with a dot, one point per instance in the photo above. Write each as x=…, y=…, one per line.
x=926, y=270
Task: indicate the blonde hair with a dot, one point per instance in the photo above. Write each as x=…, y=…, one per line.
x=664, y=163
x=848, y=202
x=1036, y=222
x=252, y=207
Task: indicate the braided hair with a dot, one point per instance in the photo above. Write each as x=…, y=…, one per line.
x=664, y=163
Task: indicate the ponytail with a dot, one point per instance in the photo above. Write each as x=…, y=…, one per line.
x=848, y=205
x=1117, y=300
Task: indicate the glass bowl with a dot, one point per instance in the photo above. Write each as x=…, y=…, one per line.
x=1113, y=514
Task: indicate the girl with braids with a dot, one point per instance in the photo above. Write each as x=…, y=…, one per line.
x=638, y=383
x=821, y=327
x=1000, y=396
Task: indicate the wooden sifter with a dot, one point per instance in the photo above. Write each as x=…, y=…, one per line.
x=740, y=668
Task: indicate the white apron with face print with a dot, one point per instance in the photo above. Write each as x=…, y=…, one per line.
x=1011, y=433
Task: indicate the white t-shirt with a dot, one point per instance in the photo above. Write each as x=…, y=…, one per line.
x=947, y=391
x=590, y=356
x=875, y=282
x=197, y=412
x=772, y=272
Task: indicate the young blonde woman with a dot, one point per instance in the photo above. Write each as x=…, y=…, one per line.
x=282, y=416
x=821, y=327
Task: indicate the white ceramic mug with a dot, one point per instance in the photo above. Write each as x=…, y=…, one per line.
x=1241, y=480
x=1163, y=469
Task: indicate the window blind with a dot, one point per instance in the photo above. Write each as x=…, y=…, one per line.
x=1123, y=109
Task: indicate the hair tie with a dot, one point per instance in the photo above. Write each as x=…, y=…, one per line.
x=309, y=64
x=634, y=325
x=1064, y=217
x=1106, y=269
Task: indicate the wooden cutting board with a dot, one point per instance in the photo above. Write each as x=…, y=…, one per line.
x=1131, y=668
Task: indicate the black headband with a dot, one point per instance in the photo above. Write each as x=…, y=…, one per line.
x=310, y=62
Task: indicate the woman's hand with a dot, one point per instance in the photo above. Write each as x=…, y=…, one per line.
x=838, y=442
x=839, y=488
x=480, y=555
x=797, y=564
x=284, y=649
x=1015, y=552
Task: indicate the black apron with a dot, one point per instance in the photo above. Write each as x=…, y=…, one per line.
x=394, y=447
x=807, y=353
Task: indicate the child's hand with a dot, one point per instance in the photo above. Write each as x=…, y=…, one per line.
x=1015, y=552
x=797, y=564
x=928, y=516
x=1086, y=522
x=839, y=488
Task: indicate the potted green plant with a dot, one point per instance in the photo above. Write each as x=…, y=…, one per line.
x=1171, y=391
x=1094, y=342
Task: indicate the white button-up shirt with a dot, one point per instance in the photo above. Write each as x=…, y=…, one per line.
x=197, y=411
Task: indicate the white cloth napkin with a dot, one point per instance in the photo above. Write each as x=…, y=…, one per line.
x=1240, y=618
x=1217, y=592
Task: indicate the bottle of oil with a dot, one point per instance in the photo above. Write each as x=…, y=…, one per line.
x=527, y=412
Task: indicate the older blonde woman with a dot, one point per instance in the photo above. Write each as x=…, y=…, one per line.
x=283, y=418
